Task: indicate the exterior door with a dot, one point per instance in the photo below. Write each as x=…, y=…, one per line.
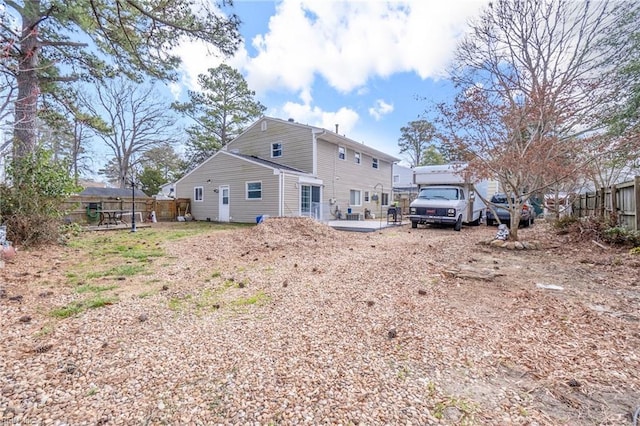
x=223, y=203
x=310, y=201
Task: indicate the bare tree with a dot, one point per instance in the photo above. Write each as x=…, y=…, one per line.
x=138, y=118
x=534, y=80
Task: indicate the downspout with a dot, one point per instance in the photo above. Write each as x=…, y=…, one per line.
x=281, y=191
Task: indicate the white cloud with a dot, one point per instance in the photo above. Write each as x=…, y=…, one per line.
x=380, y=108
x=348, y=43
x=345, y=118
x=197, y=58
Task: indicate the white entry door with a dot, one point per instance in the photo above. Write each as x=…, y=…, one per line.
x=223, y=204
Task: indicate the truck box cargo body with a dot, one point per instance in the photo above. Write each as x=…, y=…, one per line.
x=447, y=196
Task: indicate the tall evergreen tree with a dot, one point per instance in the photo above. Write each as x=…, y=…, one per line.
x=59, y=41
x=221, y=111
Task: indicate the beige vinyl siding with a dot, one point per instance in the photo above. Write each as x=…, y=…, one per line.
x=225, y=169
x=200, y=210
x=297, y=146
x=291, y=204
x=341, y=176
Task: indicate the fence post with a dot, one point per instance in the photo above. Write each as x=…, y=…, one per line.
x=614, y=217
x=636, y=201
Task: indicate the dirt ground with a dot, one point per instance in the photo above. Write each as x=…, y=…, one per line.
x=292, y=322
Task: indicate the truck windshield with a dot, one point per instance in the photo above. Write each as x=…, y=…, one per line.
x=439, y=193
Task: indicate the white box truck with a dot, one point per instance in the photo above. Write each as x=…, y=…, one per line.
x=447, y=196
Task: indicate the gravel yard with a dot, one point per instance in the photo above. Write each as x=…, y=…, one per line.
x=291, y=322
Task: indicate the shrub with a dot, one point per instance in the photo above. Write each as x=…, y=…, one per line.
x=621, y=236
x=599, y=229
x=565, y=222
x=31, y=200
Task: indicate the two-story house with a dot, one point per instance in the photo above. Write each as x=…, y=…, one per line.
x=283, y=168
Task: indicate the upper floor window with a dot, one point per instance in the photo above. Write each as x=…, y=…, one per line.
x=374, y=163
x=396, y=178
x=198, y=194
x=356, y=157
x=263, y=126
x=276, y=149
x=254, y=190
x=342, y=152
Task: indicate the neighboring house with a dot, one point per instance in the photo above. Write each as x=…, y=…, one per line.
x=166, y=192
x=404, y=190
x=283, y=168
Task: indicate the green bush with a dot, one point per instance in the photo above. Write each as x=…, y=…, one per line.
x=621, y=236
x=31, y=200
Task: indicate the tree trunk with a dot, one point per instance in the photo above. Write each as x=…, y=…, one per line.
x=515, y=222
x=27, y=79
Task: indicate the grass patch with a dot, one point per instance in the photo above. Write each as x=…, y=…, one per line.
x=45, y=330
x=259, y=298
x=75, y=308
x=99, y=302
x=118, y=271
x=179, y=303
x=126, y=254
x=466, y=409
x=146, y=294
x=68, y=310
x=88, y=288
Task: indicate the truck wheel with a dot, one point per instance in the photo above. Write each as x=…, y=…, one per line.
x=477, y=221
x=458, y=225
x=414, y=224
x=489, y=222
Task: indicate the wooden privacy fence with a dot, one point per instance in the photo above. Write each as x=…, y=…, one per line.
x=81, y=209
x=619, y=201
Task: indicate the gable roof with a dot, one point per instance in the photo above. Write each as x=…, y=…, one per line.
x=248, y=158
x=267, y=163
x=326, y=135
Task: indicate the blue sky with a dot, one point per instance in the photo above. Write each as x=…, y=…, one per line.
x=359, y=64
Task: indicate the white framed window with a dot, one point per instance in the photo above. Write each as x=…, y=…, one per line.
x=342, y=152
x=356, y=157
x=374, y=163
x=276, y=149
x=198, y=194
x=355, y=197
x=254, y=190
x=366, y=196
x=263, y=126
x=385, y=199
x=396, y=178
